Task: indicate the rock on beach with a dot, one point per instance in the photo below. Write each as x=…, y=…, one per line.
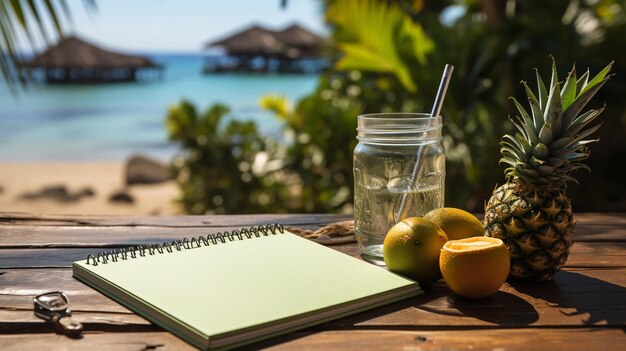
x=143, y=170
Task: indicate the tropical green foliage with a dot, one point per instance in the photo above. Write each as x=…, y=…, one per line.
x=227, y=167
x=320, y=151
x=374, y=36
x=390, y=55
x=469, y=104
x=224, y=167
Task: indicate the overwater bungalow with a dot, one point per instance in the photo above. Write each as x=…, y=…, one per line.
x=257, y=49
x=73, y=60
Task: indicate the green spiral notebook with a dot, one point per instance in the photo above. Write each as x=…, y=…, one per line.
x=230, y=289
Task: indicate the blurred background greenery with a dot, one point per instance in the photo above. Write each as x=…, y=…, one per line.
x=388, y=56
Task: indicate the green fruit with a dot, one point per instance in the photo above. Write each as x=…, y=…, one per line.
x=411, y=248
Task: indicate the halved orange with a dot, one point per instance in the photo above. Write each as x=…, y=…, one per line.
x=475, y=267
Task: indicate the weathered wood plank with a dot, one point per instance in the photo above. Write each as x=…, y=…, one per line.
x=22, y=218
x=575, y=297
x=135, y=341
x=358, y=340
x=72, y=236
x=64, y=257
x=17, y=236
x=600, y=226
x=521, y=339
x=20, y=320
x=601, y=219
x=583, y=254
x=112, y=231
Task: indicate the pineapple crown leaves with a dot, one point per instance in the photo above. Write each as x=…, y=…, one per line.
x=551, y=140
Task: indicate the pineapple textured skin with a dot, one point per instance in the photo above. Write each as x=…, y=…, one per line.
x=536, y=224
x=531, y=212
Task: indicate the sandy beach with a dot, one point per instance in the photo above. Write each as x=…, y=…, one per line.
x=80, y=188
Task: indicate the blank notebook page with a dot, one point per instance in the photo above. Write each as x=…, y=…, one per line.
x=244, y=283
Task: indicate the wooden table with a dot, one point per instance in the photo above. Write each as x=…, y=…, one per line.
x=583, y=308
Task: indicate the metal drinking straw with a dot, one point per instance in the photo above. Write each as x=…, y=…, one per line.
x=402, y=209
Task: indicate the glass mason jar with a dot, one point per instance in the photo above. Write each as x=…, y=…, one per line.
x=399, y=172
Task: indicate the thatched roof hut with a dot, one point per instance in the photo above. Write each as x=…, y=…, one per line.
x=278, y=49
x=251, y=41
x=75, y=60
x=305, y=41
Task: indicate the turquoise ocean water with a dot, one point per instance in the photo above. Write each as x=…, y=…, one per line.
x=110, y=122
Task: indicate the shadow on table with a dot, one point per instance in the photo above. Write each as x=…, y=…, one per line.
x=502, y=308
x=594, y=300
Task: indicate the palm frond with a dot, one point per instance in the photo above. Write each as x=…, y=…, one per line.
x=23, y=23
x=378, y=37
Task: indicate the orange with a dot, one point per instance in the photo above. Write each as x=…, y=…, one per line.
x=475, y=267
x=456, y=223
x=412, y=247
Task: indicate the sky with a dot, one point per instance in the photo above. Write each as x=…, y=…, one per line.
x=183, y=26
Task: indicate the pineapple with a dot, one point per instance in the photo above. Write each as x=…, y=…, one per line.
x=531, y=212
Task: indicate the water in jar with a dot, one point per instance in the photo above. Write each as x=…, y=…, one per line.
x=388, y=190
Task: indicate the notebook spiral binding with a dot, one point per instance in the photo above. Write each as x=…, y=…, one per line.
x=132, y=252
